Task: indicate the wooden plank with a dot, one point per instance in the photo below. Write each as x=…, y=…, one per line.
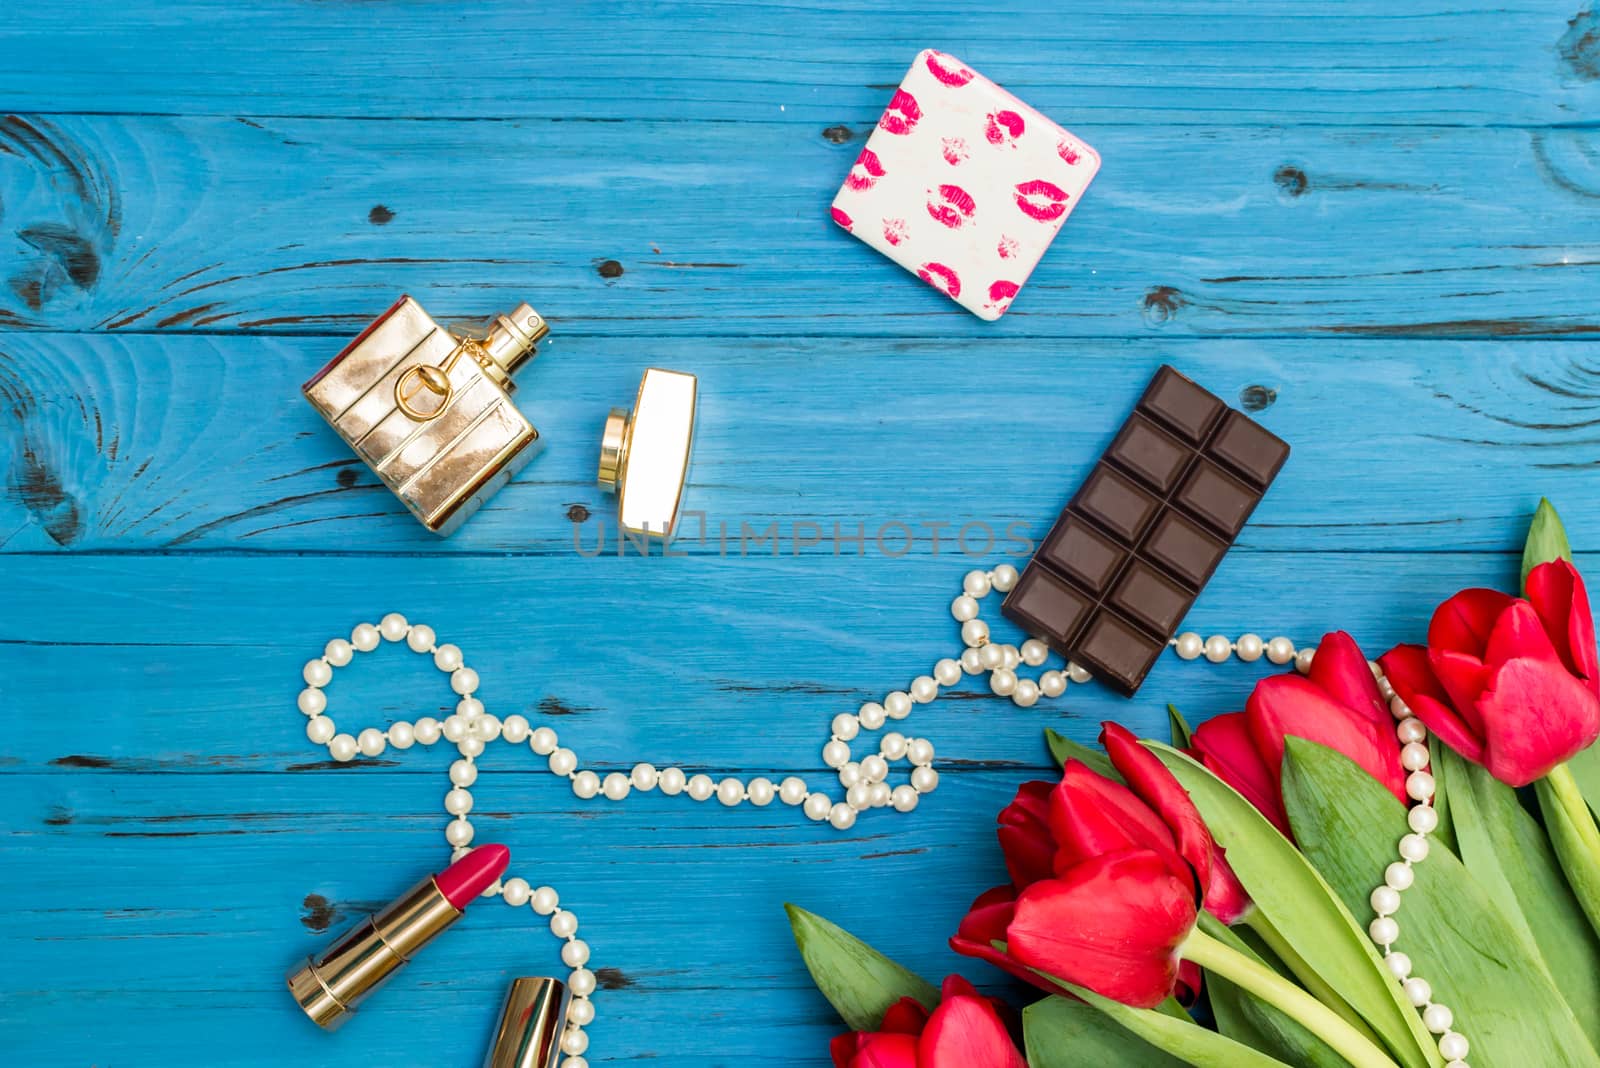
x=821, y=61
x=143, y=443
x=659, y=229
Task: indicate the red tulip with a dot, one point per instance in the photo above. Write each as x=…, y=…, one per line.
x=1025, y=834
x=1508, y=683
x=965, y=1031
x=1336, y=704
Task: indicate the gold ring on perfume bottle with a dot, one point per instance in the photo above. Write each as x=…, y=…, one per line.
x=419, y=379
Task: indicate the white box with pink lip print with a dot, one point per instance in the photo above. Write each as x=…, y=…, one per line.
x=963, y=184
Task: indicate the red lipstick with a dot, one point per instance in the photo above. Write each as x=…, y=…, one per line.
x=328, y=988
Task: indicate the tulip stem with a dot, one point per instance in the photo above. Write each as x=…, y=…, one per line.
x=1273, y=988
x=1576, y=808
x=1319, y=987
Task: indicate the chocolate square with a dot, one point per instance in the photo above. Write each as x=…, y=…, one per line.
x=1118, y=505
x=1150, y=598
x=1183, y=549
x=1217, y=499
x=1118, y=652
x=1249, y=449
x=1150, y=454
x=1081, y=553
x=1181, y=405
x=1048, y=607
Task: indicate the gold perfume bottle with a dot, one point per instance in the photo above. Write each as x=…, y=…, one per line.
x=431, y=411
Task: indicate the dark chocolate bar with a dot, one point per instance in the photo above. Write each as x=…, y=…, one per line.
x=1116, y=574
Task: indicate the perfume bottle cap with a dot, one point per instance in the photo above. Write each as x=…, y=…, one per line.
x=644, y=456
x=529, y=1035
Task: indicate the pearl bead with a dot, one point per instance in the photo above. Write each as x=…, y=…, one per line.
x=338, y=652
x=420, y=639
x=897, y=705
x=447, y=657
x=644, y=776
x=427, y=730
x=470, y=746
x=458, y=833
x=850, y=774
x=463, y=680
x=401, y=735
x=1437, y=1018
x=1399, y=875
x=1384, y=931
x=1002, y=681
x=924, y=688
x=392, y=627
x=904, y=798
x=871, y=715
x=312, y=701
x=1411, y=730
x=845, y=726
x=574, y=1042
x=455, y=728
x=1218, y=648
x=1280, y=651
x=874, y=768
x=1079, y=675
x=672, y=781
x=543, y=741
x=1453, y=1046
x=458, y=802
x=616, y=786
x=971, y=661
x=372, y=742
x=1009, y=657
x=586, y=784
x=1250, y=647
x=1385, y=901
x=1004, y=577
x=343, y=747
x=1302, y=660
x=1398, y=708
x=469, y=708
x=515, y=729
x=317, y=673
x=485, y=728
x=947, y=672
x=964, y=608
x=878, y=794
x=1399, y=965
x=365, y=637
x=575, y=953
x=516, y=892
x=563, y=924
x=792, y=791
x=975, y=584
x=1052, y=684
x=582, y=983
x=581, y=1012
x=892, y=745
x=1414, y=757
x=974, y=632
x=319, y=729
x=919, y=751
x=1414, y=847
x=835, y=754
x=1034, y=652
x=1026, y=694
x=1190, y=645
x=991, y=657
x=730, y=792
x=760, y=791
x=817, y=807
x=545, y=900
x=1417, y=991
x=1419, y=784
x=1424, y=819
x=924, y=780
x=563, y=762
x=701, y=787
x=1385, y=688
x=843, y=817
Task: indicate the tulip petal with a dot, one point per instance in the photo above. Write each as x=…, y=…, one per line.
x=1113, y=924
x=985, y=924
x=905, y=1017
x=1557, y=593
x=1226, y=749
x=1282, y=705
x=1408, y=670
x=1340, y=670
x=1024, y=834
x=1463, y=677
x=843, y=1048
x=886, y=1051
x=1150, y=780
x=1520, y=633
x=1462, y=624
x=1536, y=715
x=966, y=1032
x=1190, y=980
x=1091, y=815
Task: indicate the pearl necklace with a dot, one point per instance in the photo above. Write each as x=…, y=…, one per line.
x=471, y=728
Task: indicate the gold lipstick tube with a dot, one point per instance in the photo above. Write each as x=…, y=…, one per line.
x=328, y=988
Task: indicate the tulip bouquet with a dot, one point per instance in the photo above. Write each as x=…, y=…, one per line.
x=1387, y=864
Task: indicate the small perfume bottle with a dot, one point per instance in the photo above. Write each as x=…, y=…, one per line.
x=431, y=411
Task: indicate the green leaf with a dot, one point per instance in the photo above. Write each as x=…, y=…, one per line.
x=1180, y=728
x=1062, y=1033
x=1453, y=931
x=1577, y=860
x=1443, y=784
x=1302, y=907
x=1063, y=749
x=1547, y=540
x=1585, y=769
x=1179, y=1036
x=1259, y=1024
x=1507, y=852
x=857, y=980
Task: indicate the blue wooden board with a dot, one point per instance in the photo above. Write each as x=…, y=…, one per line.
x=1376, y=225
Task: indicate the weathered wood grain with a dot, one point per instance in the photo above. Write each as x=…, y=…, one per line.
x=645, y=230
x=1196, y=61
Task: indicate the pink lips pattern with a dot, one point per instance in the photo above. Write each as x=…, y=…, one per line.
x=902, y=114
x=1000, y=294
x=1003, y=128
x=955, y=150
x=948, y=70
x=953, y=207
x=1041, y=200
x=940, y=277
x=894, y=230
x=843, y=220
x=866, y=171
